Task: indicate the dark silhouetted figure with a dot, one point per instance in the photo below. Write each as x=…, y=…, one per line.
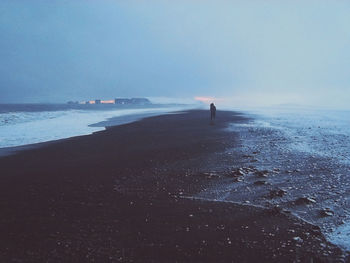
x=212, y=111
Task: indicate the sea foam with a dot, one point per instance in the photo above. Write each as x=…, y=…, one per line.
x=23, y=128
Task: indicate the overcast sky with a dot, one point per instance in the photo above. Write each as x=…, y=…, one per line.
x=264, y=52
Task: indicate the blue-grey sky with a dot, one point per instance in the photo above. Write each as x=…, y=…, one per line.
x=263, y=52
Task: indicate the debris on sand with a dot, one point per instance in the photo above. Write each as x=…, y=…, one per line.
x=316, y=230
x=275, y=210
x=262, y=173
x=260, y=182
x=305, y=201
x=277, y=193
x=239, y=172
x=276, y=170
x=326, y=212
x=235, y=173
x=239, y=179
x=298, y=239
x=210, y=175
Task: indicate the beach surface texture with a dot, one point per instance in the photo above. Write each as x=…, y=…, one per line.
x=170, y=188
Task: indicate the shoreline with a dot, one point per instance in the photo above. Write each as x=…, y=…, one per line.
x=298, y=169
x=116, y=195
x=105, y=124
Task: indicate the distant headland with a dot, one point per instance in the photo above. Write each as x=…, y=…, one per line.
x=121, y=101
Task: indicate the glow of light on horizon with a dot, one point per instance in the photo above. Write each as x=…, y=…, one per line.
x=205, y=99
x=208, y=100
x=107, y=101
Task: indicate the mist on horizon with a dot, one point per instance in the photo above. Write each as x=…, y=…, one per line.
x=245, y=53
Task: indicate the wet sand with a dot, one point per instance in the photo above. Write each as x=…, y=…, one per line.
x=300, y=166
x=130, y=194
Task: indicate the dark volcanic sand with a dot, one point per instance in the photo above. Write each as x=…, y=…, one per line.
x=123, y=195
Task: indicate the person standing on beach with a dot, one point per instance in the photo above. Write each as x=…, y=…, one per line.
x=212, y=111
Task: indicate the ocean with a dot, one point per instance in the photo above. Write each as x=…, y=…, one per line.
x=319, y=132
x=24, y=124
x=321, y=139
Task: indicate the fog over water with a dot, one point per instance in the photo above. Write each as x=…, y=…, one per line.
x=247, y=52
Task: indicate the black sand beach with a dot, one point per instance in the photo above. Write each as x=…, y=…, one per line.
x=129, y=194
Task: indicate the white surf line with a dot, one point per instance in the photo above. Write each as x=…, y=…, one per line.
x=244, y=204
x=220, y=201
